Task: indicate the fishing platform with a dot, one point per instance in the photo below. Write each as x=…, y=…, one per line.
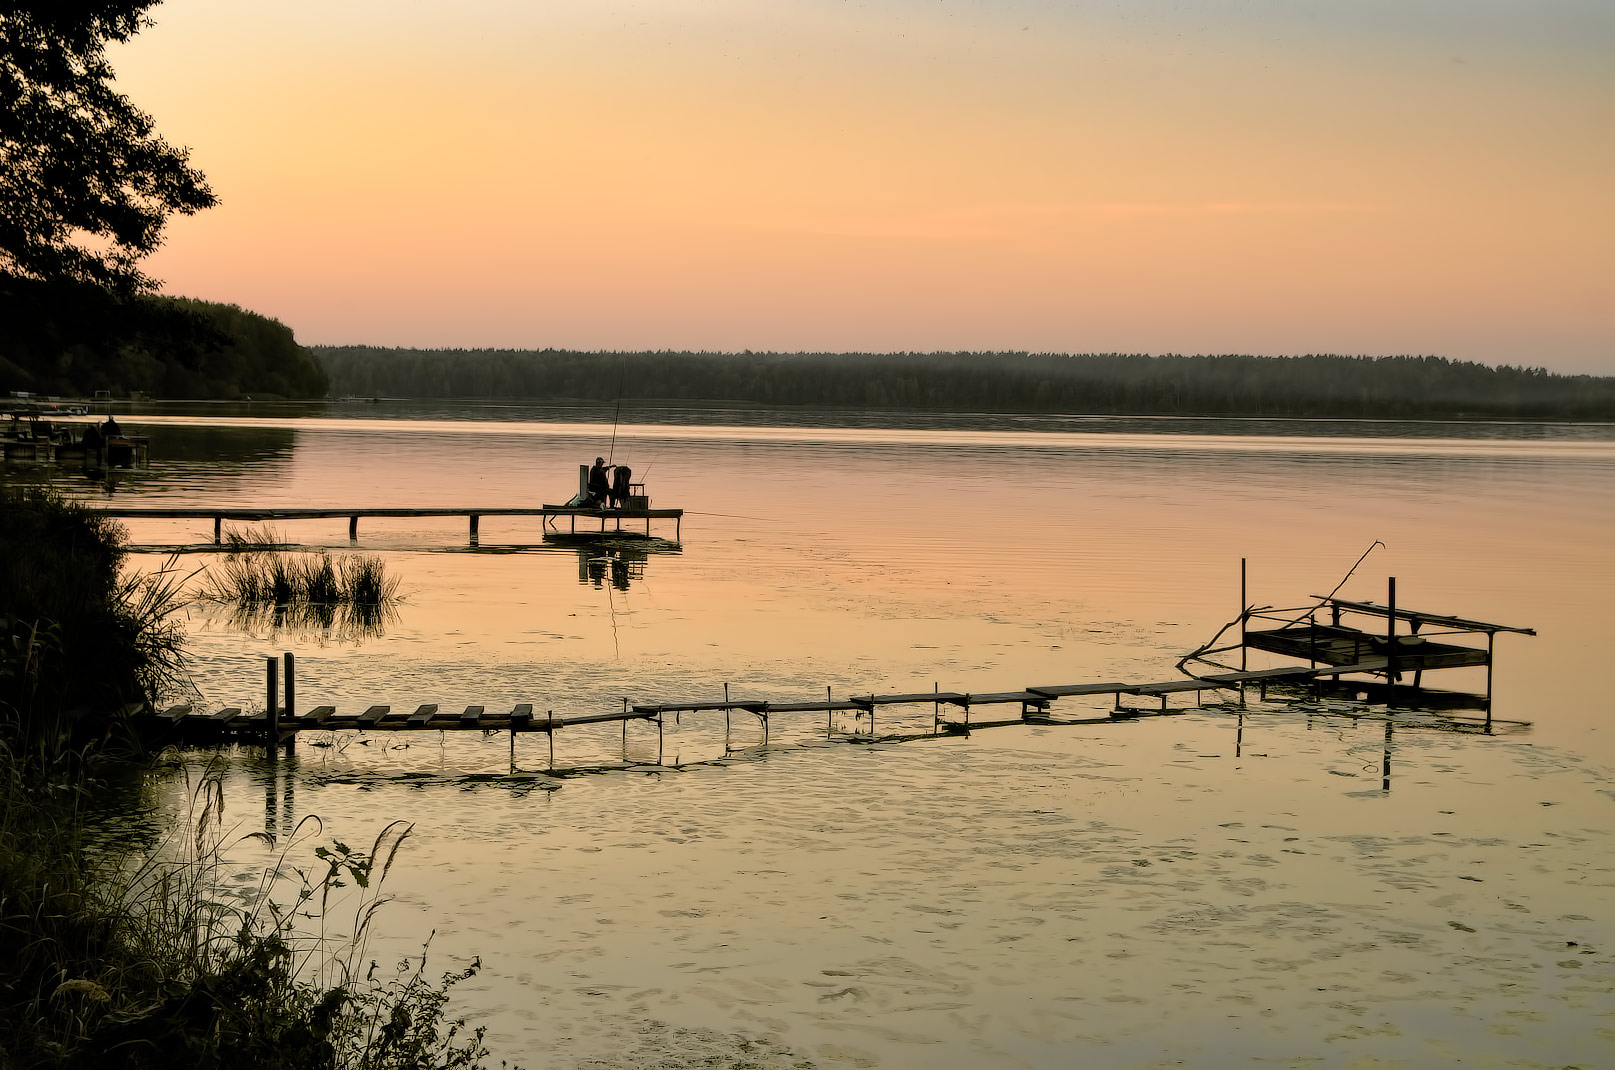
x=635, y=507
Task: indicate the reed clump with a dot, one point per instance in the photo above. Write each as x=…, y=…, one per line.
x=353, y=595
x=279, y=578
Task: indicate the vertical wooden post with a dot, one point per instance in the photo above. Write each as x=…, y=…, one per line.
x=218, y=523
x=1390, y=637
x=474, y=519
x=829, y=714
x=1385, y=768
x=353, y=529
x=1244, y=618
x=290, y=705
x=1491, y=640
x=271, y=720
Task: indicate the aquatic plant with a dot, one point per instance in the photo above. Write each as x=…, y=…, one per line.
x=284, y=579
x=352, y=597
x=251, y=540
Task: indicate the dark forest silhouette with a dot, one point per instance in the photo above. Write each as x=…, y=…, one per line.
x=1401, y=387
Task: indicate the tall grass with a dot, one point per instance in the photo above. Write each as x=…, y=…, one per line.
x=149, y=961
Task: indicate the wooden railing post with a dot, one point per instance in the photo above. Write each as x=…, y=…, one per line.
x=1244, y=614
x=1390, y=636
x=290, y=704
x=271, y=719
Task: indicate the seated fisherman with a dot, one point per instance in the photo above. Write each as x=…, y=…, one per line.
x=619, y=485
x=599, y=484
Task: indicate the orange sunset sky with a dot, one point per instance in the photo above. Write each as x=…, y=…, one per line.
x=1419, y=176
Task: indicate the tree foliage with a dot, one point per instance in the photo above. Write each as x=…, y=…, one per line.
x=86, y=183
x=1398, y=387
x=74, y=338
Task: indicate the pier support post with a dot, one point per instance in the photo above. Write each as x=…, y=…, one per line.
x=1491, y=641
x=353, y=529
x=474, y=519
x=271, y=720
x=290, y=705
x=1390, y=641
x=218, y=524
x=1244, y=617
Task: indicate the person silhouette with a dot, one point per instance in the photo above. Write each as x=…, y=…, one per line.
x=599, y=484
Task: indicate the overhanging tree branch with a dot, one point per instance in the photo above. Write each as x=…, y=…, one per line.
x=86, y=183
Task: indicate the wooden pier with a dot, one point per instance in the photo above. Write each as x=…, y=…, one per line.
x=183, y=725
x=551, y=514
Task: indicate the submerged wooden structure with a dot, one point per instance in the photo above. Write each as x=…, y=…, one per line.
x=1341, y=640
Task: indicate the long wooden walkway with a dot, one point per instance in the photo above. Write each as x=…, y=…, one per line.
x=181, y=724
x=549, y=513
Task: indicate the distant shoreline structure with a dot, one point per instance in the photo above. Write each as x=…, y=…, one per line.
x=1119, y=384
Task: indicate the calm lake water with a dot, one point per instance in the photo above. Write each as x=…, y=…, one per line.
x=1284, y=882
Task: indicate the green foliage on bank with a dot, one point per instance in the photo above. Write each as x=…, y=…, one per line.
x=80, y=639
x=73, y=339
x=1402, y=387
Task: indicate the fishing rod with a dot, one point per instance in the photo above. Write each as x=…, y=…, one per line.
x=622, y=375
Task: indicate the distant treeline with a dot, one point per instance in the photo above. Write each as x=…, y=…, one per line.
x=75, y=339
x=1402, y=387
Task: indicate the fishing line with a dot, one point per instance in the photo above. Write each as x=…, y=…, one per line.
x=734, y=516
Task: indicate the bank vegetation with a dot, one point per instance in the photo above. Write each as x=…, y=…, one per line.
x=140, y=952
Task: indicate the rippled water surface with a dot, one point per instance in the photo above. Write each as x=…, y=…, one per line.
x=1302, y=883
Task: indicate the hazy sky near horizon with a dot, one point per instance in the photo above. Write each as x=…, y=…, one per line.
x=1267, y=176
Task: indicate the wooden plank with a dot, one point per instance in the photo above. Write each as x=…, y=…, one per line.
x=999, y=697
x=1066, y=690
x=691, y=707
x=1170, y=687
x=422, y=715
x=316, y=717
x=175, y=714
x=223, y=717
x=1252, y=675
x=470, y=717
x=369, y=717
x=913, y=697
x=836, y=705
